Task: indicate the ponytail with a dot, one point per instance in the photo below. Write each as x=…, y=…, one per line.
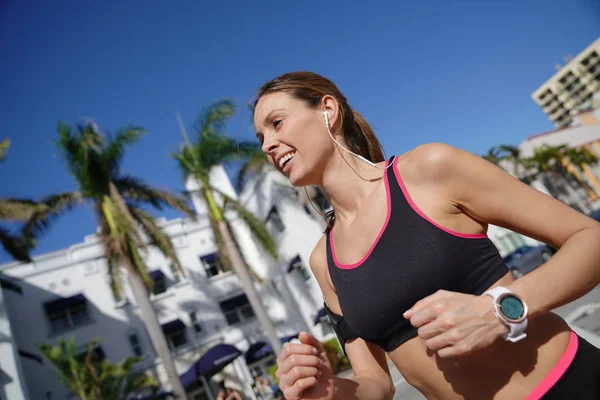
x=371, y=148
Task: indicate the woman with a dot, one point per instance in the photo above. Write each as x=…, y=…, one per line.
x=406, y=267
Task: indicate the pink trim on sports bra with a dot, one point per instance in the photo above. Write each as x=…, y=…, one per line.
x=385, y=224
x=557, y=371
x=425, y=217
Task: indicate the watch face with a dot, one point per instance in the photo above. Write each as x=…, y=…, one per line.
x=512, y=307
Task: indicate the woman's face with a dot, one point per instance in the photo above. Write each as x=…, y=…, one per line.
x=293, y=136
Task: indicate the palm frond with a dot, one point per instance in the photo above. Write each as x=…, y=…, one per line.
x=189, y=163
x=4, y=145
x=213, y=119
x=156, y=235
x=136, y=190
x=257, y=227
x=56, y=204
x=18, y=209
x=217, y=149
x=115, y=149
x=16, y=246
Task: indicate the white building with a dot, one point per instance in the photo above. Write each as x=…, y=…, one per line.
x=583, y=189
x=204, y=313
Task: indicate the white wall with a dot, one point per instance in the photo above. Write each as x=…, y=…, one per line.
x=12, y=385
x=300, y=236
x=81, y=268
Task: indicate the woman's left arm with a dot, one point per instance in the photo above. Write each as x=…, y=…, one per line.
x=488, y=194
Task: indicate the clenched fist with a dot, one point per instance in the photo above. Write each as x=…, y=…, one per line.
x=303, y=370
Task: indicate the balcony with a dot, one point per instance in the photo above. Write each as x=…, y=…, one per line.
x=551, y=104
x=557, y=112
x=570, y=78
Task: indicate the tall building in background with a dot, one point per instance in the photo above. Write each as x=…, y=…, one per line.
x=571, y=87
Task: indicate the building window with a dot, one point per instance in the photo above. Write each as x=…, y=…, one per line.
x=175, y=334
x=237, y=309
x=273, y=222
x=67, y=313
x=297, y=265
x=177, y=339
x=97, y=354
x=134, y=341
x=159, y=282
x=212, y=265
x=175, y=273
x=195, y=323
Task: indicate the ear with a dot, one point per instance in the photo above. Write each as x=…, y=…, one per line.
x=330, y=104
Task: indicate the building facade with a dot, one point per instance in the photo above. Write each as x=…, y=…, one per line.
x=579, y=188
x=203, y=311
x=572, y=85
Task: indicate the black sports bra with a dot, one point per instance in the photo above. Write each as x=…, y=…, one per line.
x=412, y=258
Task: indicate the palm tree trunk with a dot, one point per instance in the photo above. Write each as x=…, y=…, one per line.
x=157, y=337
x=248, y=285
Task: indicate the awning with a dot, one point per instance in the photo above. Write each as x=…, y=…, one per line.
x=320, y=315
x=234, y=302
x=258, y=350
x=157, y=274
x=64, y=302
x=155, y=396
x=8, y=285
x=294, y=263
x=208, y=258
x=173, y=326
x=213, y=361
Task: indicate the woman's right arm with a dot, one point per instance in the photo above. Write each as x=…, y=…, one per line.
x=304, y=371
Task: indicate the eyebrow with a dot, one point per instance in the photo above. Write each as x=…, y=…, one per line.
x=267, y=118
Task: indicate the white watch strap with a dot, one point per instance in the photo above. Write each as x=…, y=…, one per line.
x=516, y=330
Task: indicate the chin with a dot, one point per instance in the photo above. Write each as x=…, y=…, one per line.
x=300, y=179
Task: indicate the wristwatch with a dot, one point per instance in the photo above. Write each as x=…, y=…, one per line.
x=511, y=310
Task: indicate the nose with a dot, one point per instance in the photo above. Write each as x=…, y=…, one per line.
x=269, y=145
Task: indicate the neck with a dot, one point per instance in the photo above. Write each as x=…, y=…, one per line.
x=347, y=182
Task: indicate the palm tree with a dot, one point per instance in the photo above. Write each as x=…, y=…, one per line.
x=520, y=166
x=94, y=160
x=93, y=379
x=494, y=155
x=581, y=158
x=548, y=160
x=12, y=210
x=196, y=160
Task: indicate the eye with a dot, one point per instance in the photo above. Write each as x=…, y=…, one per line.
x=277, y=123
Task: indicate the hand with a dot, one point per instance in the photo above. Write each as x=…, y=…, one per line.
x=303, y=370
x=455, y=324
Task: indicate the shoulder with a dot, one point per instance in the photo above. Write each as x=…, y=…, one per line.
x=318, y=257
x=318, y=265
x=433, y=162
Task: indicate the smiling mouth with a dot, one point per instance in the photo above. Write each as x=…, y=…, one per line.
x=284, y=160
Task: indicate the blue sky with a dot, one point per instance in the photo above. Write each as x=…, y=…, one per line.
x=459, y=72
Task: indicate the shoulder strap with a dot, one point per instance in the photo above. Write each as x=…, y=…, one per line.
x=341, y=327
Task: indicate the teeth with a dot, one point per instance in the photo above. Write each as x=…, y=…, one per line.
x=285, y=158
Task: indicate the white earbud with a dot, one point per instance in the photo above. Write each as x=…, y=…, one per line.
x=326, y=115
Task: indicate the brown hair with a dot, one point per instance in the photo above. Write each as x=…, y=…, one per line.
x=311, y=88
